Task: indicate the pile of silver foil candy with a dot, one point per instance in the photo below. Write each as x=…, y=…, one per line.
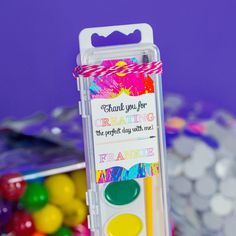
x=201, y=143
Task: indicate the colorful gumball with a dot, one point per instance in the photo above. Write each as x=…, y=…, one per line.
x=81, y=230
x=48, y=220
x=61, y=189
x=35, y=197
x=21, y=224
x=63, y=231
x=79, y=179
x=173, y=231
x=12, y=186
x=38, y=234
x=5, y=212
x=75, y=212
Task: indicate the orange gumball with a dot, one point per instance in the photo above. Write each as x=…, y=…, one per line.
x=38, y=234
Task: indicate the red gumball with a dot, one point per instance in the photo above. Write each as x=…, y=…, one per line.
x=12, y=186
x=21, y=224
x=81, y=230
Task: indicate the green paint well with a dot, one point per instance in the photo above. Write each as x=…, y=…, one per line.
x=121, y=193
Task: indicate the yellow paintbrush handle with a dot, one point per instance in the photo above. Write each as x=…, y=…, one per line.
x=149, y=206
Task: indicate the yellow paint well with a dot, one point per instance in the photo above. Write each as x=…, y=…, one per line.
x=125, y=225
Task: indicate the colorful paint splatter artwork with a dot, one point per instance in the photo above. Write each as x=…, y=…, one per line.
x=113, y=86
x=118, y=173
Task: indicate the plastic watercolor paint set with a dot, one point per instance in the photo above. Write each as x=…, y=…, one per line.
x=121, y=107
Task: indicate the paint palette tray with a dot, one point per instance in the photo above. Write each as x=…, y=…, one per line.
x=123, y=135
x=123, y=204
x=126, y=202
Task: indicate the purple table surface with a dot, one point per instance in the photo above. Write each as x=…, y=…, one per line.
x=38, y=47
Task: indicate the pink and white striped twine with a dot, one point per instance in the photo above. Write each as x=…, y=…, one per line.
x=98, y=70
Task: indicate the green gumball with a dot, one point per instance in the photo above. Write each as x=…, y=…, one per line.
x=35, y=197
x=63, y=231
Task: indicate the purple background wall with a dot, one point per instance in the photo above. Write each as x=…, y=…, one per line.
x=38, y=46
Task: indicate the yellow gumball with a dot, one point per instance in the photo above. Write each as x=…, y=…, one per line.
x=79, y=179
x=75, y=212
x=61, y=189
x=48, y=219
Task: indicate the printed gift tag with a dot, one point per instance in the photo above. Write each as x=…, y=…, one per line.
x=124, y=126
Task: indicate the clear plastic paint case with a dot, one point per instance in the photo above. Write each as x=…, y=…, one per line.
x=124, y=138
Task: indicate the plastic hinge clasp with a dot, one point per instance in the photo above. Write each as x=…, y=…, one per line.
x=93, y=209
x=78, y=83
x=80, y=107
x=83, y=108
